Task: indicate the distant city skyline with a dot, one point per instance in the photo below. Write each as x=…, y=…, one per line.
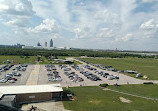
x=46, y=44
x=88, y=24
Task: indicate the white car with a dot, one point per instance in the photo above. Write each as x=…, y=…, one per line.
x=3, y=80
x=59, y=79
x=110, y=77
x=51, y=79
x=11, y=81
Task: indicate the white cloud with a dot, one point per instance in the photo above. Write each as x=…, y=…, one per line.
x=47, y=26
x=105, y=33
x=57, y=9
x=16, y=13
x=3, y=7
x=18, y=8
x=18, y=22
x=127, y=37
x=149, y=29
x=148, y=25
x=83, y=32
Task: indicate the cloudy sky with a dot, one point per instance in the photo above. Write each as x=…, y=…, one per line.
x=95, y=24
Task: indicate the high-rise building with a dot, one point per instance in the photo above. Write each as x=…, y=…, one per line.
x=45, y=44
x=51, y=43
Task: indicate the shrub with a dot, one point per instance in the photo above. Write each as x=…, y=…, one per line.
x=148, y=83
x=67, y=91
x=21, y=56
x=103, y=85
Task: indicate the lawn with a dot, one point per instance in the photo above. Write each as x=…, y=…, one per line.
x=149, y=90
x=18, y=59
x=28, y=60
x=145, y=66
x=96, y=99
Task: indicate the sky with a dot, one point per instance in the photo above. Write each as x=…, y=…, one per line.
x=88, y=24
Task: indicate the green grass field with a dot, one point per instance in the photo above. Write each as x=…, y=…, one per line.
x=145, y=90
x=144, y=66
x=97, y=99
x=18, y=59
x=29, y=60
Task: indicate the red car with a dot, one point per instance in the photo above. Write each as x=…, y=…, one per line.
x=13, y=79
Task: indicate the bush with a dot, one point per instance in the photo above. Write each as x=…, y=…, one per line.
x=103, y=85
x=67, y=91
x=148, y=83
x=21, y=56
x=27, y=57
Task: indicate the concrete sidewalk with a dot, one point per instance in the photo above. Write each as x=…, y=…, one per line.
x=45, y=106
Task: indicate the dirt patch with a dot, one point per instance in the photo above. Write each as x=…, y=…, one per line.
x=124, y=100
x=74, y=98
x=95, y=101
x=106, y=89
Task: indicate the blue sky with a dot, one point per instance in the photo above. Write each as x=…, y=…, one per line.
x=94, y=24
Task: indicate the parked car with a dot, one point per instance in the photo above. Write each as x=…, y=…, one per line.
x=11, y=81
x=138, y=75
x=3, y=80
x=17, y=74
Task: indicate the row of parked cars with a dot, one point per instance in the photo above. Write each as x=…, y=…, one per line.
x=90, y=76
x=109, y=68
x=5, y=68
x=106, y=75
x=101, y=73
x=10, y=77
x=21, y=67
x=53, y=75
x=64, y=67
x=89, y=67
x=86, y=73
x=77, y=68
x=73, y=76
x=50, y=67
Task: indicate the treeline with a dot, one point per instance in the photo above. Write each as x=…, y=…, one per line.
x=46, y=53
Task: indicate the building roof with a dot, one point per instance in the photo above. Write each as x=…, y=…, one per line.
x=24, y=89
x=1, y=94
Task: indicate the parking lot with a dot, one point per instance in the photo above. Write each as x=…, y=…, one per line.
x=66, y=75
x=21, y=79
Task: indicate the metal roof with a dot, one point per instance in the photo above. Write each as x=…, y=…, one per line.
x=24, y=89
